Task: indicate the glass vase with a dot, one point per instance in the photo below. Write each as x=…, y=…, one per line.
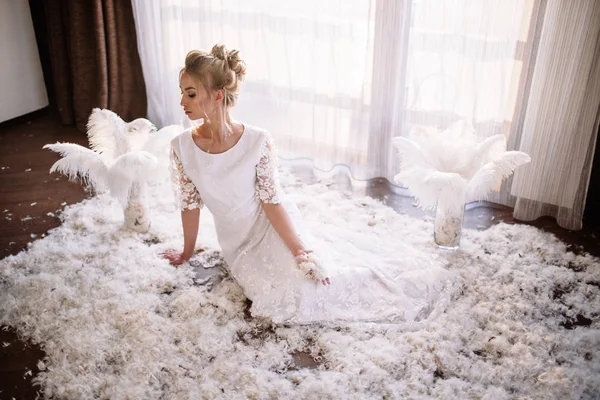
x=447, y=227
x=136, y=213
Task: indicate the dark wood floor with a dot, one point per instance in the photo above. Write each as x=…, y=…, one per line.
x=28, y=194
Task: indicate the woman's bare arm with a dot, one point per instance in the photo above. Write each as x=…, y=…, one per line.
x=190, y=220
x=190, y=203
x=284, y=227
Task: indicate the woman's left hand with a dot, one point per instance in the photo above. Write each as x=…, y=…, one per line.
x=313, y=269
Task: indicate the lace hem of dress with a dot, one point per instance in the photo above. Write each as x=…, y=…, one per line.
x=267, y=175
x=186, y=193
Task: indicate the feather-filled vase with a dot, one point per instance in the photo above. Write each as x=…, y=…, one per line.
x=445, y=170
x=122, y=159
x=447, y=227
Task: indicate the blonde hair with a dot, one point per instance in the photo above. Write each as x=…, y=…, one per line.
x=219, y=69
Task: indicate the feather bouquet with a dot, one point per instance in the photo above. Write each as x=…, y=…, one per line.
x=122, y=159
x=444, y=170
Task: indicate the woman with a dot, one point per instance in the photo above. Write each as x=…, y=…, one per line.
x=231, y=168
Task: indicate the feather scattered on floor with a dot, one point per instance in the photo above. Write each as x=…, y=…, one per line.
x=116, y=321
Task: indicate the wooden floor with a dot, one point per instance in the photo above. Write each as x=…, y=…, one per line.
x=31, y=200
x=28, y=193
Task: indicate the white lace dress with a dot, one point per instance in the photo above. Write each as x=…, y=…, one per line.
x=233, y=185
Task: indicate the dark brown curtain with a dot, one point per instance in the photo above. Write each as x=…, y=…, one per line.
x=591, y=216
x=94, y=59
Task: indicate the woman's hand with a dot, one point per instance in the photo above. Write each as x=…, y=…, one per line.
x=313, y=269
x=175, y=257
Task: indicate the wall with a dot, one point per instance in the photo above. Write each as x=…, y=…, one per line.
x=22, y=88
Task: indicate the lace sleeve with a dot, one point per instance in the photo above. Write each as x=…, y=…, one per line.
x=267, y=176
x=186, y=193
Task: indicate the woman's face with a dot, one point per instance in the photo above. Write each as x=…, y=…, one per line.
x=195, y=100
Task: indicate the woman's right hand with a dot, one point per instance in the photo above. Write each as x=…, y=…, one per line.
x=175, y=257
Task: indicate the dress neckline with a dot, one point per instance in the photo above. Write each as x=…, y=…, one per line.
x=224, y=152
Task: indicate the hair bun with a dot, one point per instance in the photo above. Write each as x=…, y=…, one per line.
x=232, y=60
x=219, y=51
x=236, y=64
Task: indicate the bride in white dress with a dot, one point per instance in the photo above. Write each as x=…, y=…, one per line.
x=230, y=168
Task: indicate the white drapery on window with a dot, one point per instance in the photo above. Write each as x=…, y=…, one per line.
x=335, y=80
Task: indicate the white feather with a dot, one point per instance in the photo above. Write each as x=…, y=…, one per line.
x=410, y=152
x=470, y=155
x=432, y=148
x=486, y=177
x=159, y=142
x=446, y=181
x=491, y=148
x=79, y=162
x=138, y=132
x=426, y=185
x=487, y=151
x=133, y=167
x=444, y=150
x=106, y=134
x=441, y=163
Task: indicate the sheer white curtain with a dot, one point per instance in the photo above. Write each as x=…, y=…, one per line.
x=309, y=67
x=561, y=116
x=335, y=80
